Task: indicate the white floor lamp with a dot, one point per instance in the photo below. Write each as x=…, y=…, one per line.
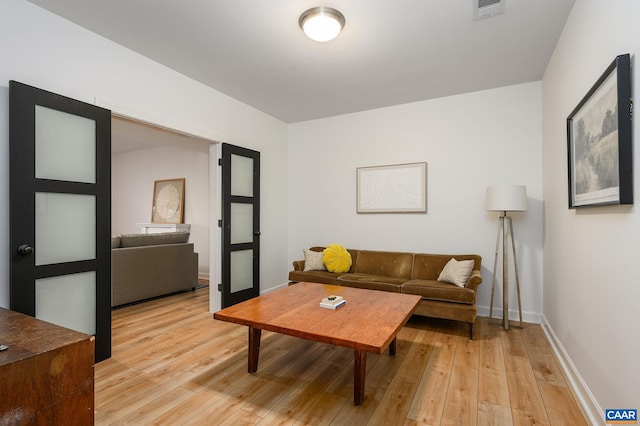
x=503, y=199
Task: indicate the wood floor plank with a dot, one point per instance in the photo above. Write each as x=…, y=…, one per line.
x=173, y=364
x=151, y=410
x=561, y=405
x=263, y=397
x=428, y=404
x=323, y=410
x=396, y=402
x=187, y=408
x=241, y=418
x=513, y=345
x=304, y=377
x=381, y=371
x=492, y=380
x=526, y=401
x=418, y=355
x=461, y=404
x=543, y=361
x=527, y=406
x=130, y=395
x=219, y=410
x=493, y=414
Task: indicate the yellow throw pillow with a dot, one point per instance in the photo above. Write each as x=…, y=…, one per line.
x=336, y=258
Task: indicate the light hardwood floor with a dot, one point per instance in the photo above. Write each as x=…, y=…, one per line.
x=173, y=364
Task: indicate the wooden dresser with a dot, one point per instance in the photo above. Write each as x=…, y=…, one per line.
x=46, y=375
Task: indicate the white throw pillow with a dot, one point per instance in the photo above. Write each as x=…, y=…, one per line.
x=456, y=272
x=313, y=260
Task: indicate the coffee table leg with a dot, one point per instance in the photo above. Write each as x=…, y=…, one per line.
x=254, y=348
x=392, y=347
x=359, y=368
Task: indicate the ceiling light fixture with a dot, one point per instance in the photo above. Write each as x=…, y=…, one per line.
x=321, y=23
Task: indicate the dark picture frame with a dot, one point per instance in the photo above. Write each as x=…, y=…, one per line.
x=168, y=201
x=599, y=141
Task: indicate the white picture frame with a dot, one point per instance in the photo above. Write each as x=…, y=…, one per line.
x=398, y=188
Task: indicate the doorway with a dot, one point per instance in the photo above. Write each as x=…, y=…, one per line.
x=143, y=152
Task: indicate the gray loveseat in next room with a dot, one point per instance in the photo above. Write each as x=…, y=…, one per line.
x=144, y=266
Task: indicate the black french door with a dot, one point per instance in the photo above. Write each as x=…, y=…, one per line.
x=60, y=211
x=240, y=224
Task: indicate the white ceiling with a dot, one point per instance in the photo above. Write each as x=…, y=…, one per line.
x=390, y=52
x=129, y=135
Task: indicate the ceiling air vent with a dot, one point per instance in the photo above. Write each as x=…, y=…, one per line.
x=487, y=8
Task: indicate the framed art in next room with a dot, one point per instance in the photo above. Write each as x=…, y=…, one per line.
x=168, y=201
x=599, y=141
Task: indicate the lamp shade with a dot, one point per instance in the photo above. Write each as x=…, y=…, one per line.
x=504, y=198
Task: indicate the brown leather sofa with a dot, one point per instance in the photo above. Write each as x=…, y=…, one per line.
x=411, y=273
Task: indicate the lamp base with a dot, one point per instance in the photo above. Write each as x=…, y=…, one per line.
x=505, y=228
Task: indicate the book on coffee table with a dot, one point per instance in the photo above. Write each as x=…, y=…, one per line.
x=332, y=302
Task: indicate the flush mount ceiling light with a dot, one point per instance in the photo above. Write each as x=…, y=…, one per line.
x=321, y=23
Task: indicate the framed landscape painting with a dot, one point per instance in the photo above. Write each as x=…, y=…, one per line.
x=599, y=141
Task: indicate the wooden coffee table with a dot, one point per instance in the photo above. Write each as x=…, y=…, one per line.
x=368, y=322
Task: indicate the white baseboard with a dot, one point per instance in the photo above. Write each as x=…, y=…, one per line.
x=590, y=406
x=274, y=288
x=203, y=275
x=535, y=318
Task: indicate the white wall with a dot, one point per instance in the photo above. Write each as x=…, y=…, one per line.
x=469, y=141
x=502, y=136
x=44, y=50
x=133, y=174
x=591, y=284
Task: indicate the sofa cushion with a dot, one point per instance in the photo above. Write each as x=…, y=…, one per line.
x=371, y=282
x=313, y=261
x=429, y=266
x=336, y=258
x=137, y=240
x=437, y=290
x=322, y=277
x=456, y=272
x=385, y=264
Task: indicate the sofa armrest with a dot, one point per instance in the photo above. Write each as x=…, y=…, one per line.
x=474, y=280
x=298, y=265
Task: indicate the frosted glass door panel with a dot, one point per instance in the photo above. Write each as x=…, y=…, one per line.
x=65, y=146
x=68, y=300
x=65, y=227
x=241, y=223
x=241, y=270
x=241, y=176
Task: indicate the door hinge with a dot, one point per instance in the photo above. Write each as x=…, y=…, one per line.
x=219, y=287
x=219, y=161
x=219, y=223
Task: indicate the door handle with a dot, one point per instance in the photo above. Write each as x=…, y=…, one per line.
x=25, y=250
x=256, y=233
